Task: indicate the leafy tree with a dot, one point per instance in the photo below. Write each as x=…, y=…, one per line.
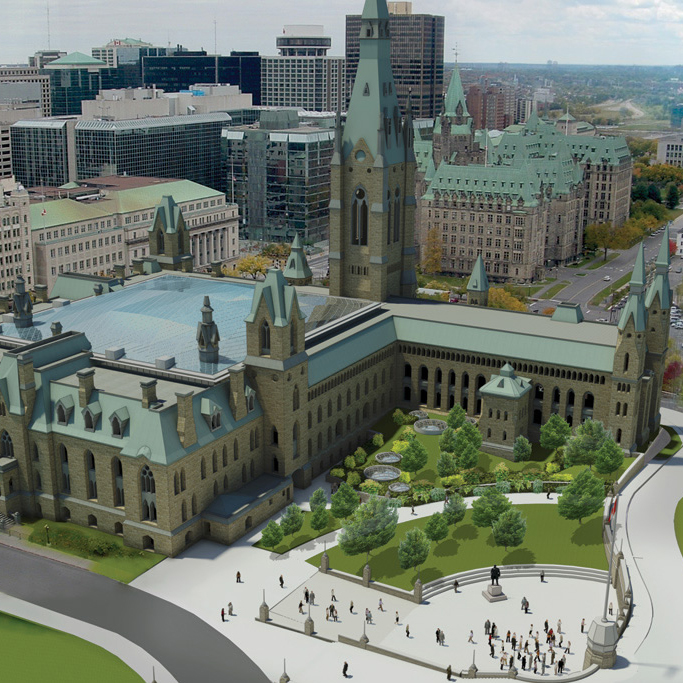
x=654, y=193
x=413, y=550
x=272, y=535
x=467, y=434
x=582, y=497
x=454, y=509
x=414, y=457
x=431, y=263
x=320, y=518
x=318, y=498
x=372, y=525
x=501, y=298
x=353, y=478
x=468, y=457
x=600, y=236
x=360, y=456
x=456, y=417
x=522, y=449
x=253, y=265
x=582, y=449
x=292, y=520
x=349, y=462
x=446, y=465
x=555, y=432
x=378, y=440
x=436, y=528
x=672, y=196
x=344, y=501
x=398, y=416
x=489, y=506
x=509, y=529
x=610, y=457
x=448, y=440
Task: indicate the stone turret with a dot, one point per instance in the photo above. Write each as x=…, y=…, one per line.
x=478, y=285
x=22, y=305
x=207, y=335
x=169, y=240
x=297, y=271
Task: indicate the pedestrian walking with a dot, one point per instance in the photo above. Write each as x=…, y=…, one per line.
x=223, y=614
x=583, y=625
x=412, y=509
x=334, y=614
x=345, y=670
x=487, y=627
x=563, y=662
x=407, y=630
x=547, y=495
x=543, y=664
x=301, y=606
x=545, y=626
x=230, y=609
x=282, y=581
x=381, y=606
x=449, y=672
x=524, y=663
x=455, y=585
x=557, y=664
x=471, y=638
x=535, y=666
x=238, y=576
x=312, y=598
x=552, y=655
x=327, y=613
x=507, y=637
x=306, y=595
x=438, y=636
x=514, y=641
x=569, y=645
x=559, y=625
x=610, y=609
x=559, y=645
x=351, y=607
x=442, y=638
x=493, y=652
x=542, y=576
x=503, y=661
x=396, y=618
x=334, y=599
x=494, y=629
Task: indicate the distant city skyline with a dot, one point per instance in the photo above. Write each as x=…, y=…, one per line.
x=646, y=32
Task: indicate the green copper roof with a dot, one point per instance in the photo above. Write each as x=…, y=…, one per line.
x=638, y=275
x=373, y=114
x=660, y=285
x=507, y=384
x=297, y=265
x=75, y=286
x=635, y=306
x=170, y=216
x=455, y=96
x=478, y=281
x=280, y=299
x=76, y=59
x=568, y=313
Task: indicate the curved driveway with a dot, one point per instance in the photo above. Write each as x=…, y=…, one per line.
x=190, y=649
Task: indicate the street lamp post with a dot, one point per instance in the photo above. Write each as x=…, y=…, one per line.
x=47, y=533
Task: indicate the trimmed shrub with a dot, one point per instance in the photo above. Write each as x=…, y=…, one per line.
x=456, y=480
x=399, y=446
x=479, y=490
x=437, y=494
x=349, y=462
x=398, y=416
x=360, y=456
x=404, y=477
x=501, y=471
x=408, y=434
x=378, y=440
x=338, y=472
x=371, y=487
x=538, y=486
x=353, y=479
x=561, y=476
x=503, y=486
x=552, y=468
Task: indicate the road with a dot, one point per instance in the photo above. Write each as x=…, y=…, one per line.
x=190, y=649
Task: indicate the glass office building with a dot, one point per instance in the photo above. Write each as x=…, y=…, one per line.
x=184, y=147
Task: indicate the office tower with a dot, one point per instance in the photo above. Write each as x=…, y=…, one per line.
x=417, y=42
x=302, y=75
x=187, y=147
x=23, y=74
x=16, y=257
x=279, y=176
x=492, y=107
x=43, y=57
x=11, y=113
x=180, y=70
x=75, y=78
x=43, y=151
x=670, y=150
x=125, y=55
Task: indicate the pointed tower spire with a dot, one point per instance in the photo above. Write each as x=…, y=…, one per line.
x=207, y=335
x=478, y=285
x=635, y=305
x=297, y=271
x=455, y=95
x=660, y=285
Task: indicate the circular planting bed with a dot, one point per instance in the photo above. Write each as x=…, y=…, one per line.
x=388, y=458
x=430, y=427
x=382, y=473
x=419, y=414
x=399, y=487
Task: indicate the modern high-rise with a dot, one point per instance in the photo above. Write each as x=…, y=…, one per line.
x=303, y=75
x=279, y=176
x=181, y=69
x=29, y=74
x=492, y=107
x=417, y=44
x=187, y=147
x=125, y=55
x=43, y=57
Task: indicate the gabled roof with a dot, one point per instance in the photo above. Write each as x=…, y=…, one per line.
x=169, y=216
x=297, y=265
x=280, y=299
x=478, y=281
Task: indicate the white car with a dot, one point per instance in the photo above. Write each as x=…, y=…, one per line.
x=607, y=278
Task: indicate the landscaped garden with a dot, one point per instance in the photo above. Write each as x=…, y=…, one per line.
x=109, y=556
x=303, y=535
x=57, y=657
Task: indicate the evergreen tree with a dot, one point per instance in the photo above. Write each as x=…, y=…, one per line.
x=344, y=501
x=456, y=417
x=372, y=525
x=467, y=434
x=468, y=457
x=414, y=457
x=318, y=498
x=436, y=528
x=292, y=520
x=446, y=465
x=555, y=432
x=509, y=529
x=454, y=509
x=272, y=535
x=489, y=506
x=582, y=497
x=320, y=518
x=610, y=457
x=673, y=196
x=413, y=550
x=522, y=449
x=583, y=448
x=448, y=440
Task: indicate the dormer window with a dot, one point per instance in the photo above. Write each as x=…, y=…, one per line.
x=215, y=419
x=116, y=428
x=119, y=421
x=89, y=422
x=64, y=409
x=211, y=413
x=91, y=416
x=250, y=404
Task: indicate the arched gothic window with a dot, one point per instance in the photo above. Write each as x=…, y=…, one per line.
x=6, y=446
x=148, y=494
x=397, y=214
x=359, y=218
x=265, y=338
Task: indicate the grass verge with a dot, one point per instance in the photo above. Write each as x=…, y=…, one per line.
x=603, y=293
x=119, y=562
x=303, y=536
x=555, y=289
x=550, y=539
x=674, y=445
x=678, y=524
x=33, y=652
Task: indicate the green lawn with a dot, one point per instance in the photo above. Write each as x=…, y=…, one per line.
x=603, y=293
x=673, y=446
x=32, y=653
x=121, y=567
x=303, y=536
x=612, y=476
x=678, y=524
x=550, y=539
x=601, y=262
x=555, y=289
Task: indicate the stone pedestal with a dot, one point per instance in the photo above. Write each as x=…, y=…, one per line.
x=263, y=612
x=364, y=640
x=367, y=575
x=417, y=591
x=325, y=563
x=284, y=678
x=601, y=646
x=309, y=626
x=494, y=594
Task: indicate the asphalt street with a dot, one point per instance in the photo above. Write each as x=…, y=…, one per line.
x=190, y=649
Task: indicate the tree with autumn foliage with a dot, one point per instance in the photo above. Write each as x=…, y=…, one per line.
x=600, y=236
x=252, y=265
x=673, y=376
x=499, y=297
x=431, y=263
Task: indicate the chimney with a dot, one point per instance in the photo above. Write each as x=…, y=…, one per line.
x=41, y=293
x=186, y=427
x=120, y=270
x=86, y=384
x=98, y=289
x=56, y=328
x=149, y=392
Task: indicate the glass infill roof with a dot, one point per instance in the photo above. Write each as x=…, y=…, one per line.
x=159, y=317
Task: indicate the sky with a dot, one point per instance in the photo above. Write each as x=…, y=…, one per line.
x=516, y=31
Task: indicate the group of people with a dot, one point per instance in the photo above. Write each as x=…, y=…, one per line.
x=527, y=650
